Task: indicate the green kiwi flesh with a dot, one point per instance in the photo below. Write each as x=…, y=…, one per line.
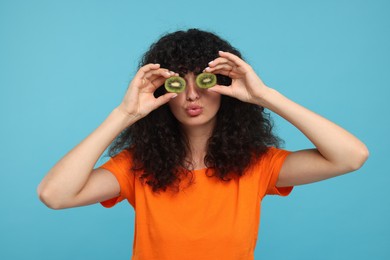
x=175, y=84
x=206, y=80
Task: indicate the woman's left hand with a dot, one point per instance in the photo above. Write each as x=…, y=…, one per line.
x=246, y=85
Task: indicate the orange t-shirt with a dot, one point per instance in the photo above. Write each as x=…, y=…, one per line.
x=211, y=219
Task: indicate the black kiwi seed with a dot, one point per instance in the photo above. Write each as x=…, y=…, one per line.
x=175, y=84
x=206, y=80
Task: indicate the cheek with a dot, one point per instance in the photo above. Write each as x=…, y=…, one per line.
x=174, y=104
x=215, y=100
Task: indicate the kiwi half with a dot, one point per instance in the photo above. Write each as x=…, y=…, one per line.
x=206, y=80
x=175, y=84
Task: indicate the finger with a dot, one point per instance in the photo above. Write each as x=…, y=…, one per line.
x=227, y=72
x=223, y=90
x=148, y=81
x=157, y=83
x=140, y=75
x=153, y=74
x=157, y=80
x=158, y=74
x=230, y=56
x=225, y=66
x=220, y=60
x=144, y=69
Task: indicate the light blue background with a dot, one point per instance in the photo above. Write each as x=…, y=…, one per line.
x=64, y=65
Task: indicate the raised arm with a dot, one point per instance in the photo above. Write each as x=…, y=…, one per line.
x=337, y=151
x=69, y=182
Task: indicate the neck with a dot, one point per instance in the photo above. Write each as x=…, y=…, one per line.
x=197, y=139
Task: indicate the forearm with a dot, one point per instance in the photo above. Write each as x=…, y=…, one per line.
x=69, y=175
x=335, y=144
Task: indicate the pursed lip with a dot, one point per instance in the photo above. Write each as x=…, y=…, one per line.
x=193, y=106
x=194, y=110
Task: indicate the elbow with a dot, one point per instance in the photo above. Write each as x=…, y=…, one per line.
x=47, y=198
x=360, y=157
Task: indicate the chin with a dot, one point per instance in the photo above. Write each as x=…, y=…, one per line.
x=197, y=121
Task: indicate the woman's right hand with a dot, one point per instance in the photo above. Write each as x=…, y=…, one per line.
x=139, y=99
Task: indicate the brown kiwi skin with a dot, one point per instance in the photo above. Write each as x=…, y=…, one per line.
x=204, y=74
x=175, y=79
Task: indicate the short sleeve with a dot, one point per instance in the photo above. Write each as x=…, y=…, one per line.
x=119, y=165
x=270, y=165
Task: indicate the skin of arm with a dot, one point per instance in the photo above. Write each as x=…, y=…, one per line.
x=337, y=151
x=69, y=175
x=65, y=181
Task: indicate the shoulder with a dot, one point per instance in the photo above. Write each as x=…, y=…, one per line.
x=268, y=162
x=273, y=155
x=269, y=167
x=125, y=154
x=121, y=161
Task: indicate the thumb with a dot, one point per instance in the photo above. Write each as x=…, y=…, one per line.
x=161, y=100
x=224, y=90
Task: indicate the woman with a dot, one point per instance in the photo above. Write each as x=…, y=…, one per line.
x=196, y=165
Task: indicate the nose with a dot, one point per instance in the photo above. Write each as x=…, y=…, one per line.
x=192, y=91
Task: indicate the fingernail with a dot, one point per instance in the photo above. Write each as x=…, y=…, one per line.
x=210, y=62
x=220, y=51
x=174, y=96
x=208, y=68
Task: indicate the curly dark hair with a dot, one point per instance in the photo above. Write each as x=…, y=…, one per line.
x=159, y=147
